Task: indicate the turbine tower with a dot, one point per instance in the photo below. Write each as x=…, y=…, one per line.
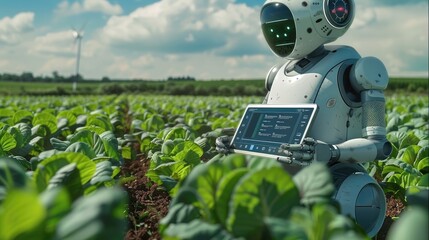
x=77, y=35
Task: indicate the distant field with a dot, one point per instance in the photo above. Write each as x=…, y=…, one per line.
x=213, y=87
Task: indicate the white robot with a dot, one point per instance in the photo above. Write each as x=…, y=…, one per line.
x=349, y=128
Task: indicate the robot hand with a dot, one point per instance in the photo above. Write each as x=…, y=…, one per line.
x=307, y=152
x=223, y=144
x=223, y=139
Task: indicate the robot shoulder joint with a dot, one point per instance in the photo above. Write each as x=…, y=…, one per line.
x=369, y=73
x=271, y=75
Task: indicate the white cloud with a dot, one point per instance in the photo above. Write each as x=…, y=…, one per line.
x=216, y=39
x=103, y=6
x=235, y=18
x=56, y=43
x=186, y=26
x=398, y=35
x=13, y=29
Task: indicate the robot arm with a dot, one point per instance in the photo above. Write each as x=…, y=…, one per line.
x=369, y=78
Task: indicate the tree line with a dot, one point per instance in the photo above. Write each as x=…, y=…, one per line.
x=29, y=77
x=56, y=77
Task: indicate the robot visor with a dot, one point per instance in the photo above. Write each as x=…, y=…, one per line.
x=278, y=28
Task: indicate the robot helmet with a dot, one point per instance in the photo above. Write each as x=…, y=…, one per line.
x=294, y=29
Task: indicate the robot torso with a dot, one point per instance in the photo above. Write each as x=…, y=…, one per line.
x=322, y=80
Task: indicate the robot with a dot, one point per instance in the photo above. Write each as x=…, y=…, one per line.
x=349, y=128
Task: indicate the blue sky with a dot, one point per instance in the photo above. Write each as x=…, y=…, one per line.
x=207, y=39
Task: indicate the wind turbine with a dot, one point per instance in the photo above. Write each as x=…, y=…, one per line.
x=77, y=35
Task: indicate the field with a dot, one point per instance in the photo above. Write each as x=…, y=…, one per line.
x=249, y=87
x=137, y=166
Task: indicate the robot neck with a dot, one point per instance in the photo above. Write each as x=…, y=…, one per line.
x=320, y=51
x=301, y=66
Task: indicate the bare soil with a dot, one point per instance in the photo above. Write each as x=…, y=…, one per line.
x=148, y=203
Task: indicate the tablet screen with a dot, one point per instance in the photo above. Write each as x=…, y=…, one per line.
x=263, y=128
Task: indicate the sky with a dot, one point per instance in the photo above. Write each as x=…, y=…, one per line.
x=205, y=39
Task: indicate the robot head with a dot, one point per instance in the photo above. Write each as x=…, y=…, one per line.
x=294, y=29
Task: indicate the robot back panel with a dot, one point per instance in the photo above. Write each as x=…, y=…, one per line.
x=338, y=118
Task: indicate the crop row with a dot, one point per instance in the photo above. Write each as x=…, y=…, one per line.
x=60, y=160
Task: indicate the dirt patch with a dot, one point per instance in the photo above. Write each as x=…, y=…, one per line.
x=394, y=207
x=148, y=203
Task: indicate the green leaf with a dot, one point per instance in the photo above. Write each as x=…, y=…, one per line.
x=7, y=141
x=20, y=214
x=167, y=147
x=12, y=176
x=153, y=124
x=261, y=162
x=424, y=181
x=100, y=215
x=69, y=178
x=59, y=145
x=46, y=119
x=103, y=173
x=315, y=184
x=282, y=229
x=69, y=116
x=423, y=143
x=234, y=161
x=177, y=132
x=323, y=221
x=83, y=135
x=268, y=192
x=180, y=169
x=168, y=182
x=25, y=130
x=206, y=186
x=25, y=164
x=180, y=213
x=4, y=112
x=423, y=153
x=111, y=145
x=48, y=168
x=224, y=192
x=413, y=224
x=16, y=134
x=409, y=139
x=57, y=204
x=99, y=120
x=81, y=147
x=392, y=124
x=23, y=116
x=423, y=165
x=410, y=153
x=196, y=229
x=186, y=146
x=128, y=153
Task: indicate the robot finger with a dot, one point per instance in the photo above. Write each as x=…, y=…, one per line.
x=228, y=131
x=285, y=160
x=222, y=141
x=301, y=163
x=291, y=161
x=301, y=156
x=297, y=147
x=309, y=141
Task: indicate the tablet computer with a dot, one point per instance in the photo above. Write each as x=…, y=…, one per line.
x=263, y=128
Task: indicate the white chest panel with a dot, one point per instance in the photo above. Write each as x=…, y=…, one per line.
x=335, y=121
